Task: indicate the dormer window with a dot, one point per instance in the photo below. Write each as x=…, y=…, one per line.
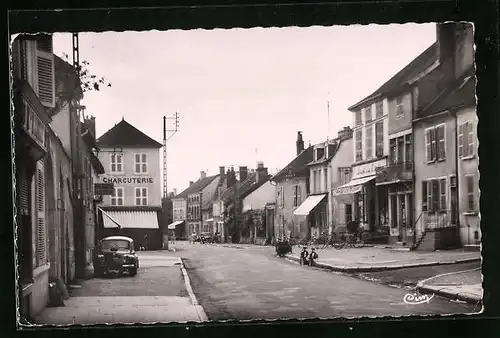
x=320, y=152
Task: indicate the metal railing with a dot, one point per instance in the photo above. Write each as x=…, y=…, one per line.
x=395, y=171
x=437, y=220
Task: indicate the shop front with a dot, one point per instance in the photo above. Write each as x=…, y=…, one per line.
x=363, y=200
x=315, y=208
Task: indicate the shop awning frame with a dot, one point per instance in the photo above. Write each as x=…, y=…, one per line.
x=172, y=226
x=309, y=204
x=353, y=186
x=130, y=219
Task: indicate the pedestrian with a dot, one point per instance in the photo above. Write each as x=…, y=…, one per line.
x=313, y=257
x=145, y=246
x=303, y=256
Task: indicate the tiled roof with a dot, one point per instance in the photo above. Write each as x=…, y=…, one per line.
x=461, y=93
x=242, y=187
x=197, y=186
x=426, y=59
x=126, y=135
x=255, y=186
x=298, y=166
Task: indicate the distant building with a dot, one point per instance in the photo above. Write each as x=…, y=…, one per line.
x=132, y=163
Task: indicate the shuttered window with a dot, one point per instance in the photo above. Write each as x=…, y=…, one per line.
x=465, y=140
x=141, y=196
x=23, y=193
x=41, y=256
x=45, y=70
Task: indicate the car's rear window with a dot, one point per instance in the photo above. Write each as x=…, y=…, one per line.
x=115, y=245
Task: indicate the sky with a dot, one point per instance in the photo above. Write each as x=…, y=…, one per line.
x=242, y=94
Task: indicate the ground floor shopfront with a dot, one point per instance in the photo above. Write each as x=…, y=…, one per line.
x=142, y=226
x=401, y=223
x=363, y=201
x=315, y=212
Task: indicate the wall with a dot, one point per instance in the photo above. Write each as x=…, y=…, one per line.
x=395, y=123
x=60, y=124
x=363, y=126
x=208, y=192
x=154, y=189
x=464, y=53
x=437, y=169
x=266, y=193
x=343, y=157
x=179, y=209
x=297, y=224
x=469, y=222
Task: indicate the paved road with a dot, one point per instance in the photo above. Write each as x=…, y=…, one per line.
x=245, y=284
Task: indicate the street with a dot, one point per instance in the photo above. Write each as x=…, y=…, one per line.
x=251, y=283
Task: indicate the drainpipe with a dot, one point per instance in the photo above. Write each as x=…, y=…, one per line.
x=457, y=191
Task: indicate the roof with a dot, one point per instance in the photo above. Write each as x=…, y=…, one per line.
x=197, y=186
x=256, y=186
x=333, y=151
x=242, y=188
x=297, y=167
x=461, y=93
x=426, y=59
x=126, y=135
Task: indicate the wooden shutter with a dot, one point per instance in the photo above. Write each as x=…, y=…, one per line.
x=440, y=143
x=425, y=203
x=428, y=145
x=295, y=202
x=299, y=194
x=40, y=215
x=442, y=194
x=470, y=139
x=45, y=70
x=23, y=193
x=461, y=140
x=435, y=195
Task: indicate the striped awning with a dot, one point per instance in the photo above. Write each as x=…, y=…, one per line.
x=130, y=219
x=172, y=226
x=353, y=186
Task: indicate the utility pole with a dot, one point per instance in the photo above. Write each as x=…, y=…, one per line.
x=165, y=189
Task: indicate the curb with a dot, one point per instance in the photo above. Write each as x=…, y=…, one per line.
x=382, y=268
x=421, y=287
x=450, y=295
x=199, y=309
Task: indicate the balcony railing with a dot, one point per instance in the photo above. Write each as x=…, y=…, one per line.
x=436, y=220
x=394, y=172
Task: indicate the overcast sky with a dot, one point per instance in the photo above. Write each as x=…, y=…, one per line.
x=242, y=94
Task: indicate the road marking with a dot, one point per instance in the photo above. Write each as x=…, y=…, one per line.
x=199, y=309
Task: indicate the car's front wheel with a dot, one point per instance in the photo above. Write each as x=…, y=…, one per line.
x=132, y=271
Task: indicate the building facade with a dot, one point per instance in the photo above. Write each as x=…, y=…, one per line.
x=179, y=210
x=132, y=163
x=292, y=188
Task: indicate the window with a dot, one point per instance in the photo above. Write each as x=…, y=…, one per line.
x=117, y=197
x=435, y=147
x=379, y=109
x=348, y=213
x=434, y=196
x=369, y=143
x=465, y=140
x=141, y=196
x=471, y=200
x=400, y=112
x=368, y=114
x=357, y=118
x=393, y=154
x=408, y=149
x=320, y=152
x=41, y=256
x=401, y=149
x=318, y=181
x=326, y=180
x=116, y=161
x=379, y=139
x=359, y=146
x=141, y=164
x=281, y=197
x=296, y=196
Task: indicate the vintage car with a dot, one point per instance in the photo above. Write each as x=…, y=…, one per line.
x=115, y=254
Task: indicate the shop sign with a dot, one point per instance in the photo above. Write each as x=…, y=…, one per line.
x=128, y=180
x=367, y=169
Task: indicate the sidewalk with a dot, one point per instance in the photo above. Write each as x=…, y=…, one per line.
x=146, y=298
x=463, y=285
x=371, y=259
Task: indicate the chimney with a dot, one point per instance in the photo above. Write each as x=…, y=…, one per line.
x=299, y=143
x=261, y=175
x=191, y=183
x=345, y=133
x=221, y=171
x=175, y=191
x=446, y=46
x=243, y=173
x=203, y=175
x=90, y=125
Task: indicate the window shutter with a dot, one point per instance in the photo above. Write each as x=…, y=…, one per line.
x=299, y=193
x=441, y=153
x=45, y=70
x=428, y=145
x=461, y=140
x=435, y=195
x=424, y=196
x=470, y=139
x=442, y=194
x=23, y=193
x=40, y=207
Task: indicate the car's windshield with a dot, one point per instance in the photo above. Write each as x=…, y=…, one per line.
x=115, y=245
